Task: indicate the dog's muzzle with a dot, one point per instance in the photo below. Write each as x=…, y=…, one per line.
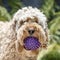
x=31, y=43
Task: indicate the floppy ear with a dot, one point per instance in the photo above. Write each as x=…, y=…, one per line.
x=46, y=42
x=19, y=48
x=14, y=24
x=47, y=33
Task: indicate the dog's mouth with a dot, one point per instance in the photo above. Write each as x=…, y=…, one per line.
x=31, y=43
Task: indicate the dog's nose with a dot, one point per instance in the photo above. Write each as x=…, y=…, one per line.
x=31, y=31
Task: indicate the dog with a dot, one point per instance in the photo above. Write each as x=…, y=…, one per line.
x=24, y=36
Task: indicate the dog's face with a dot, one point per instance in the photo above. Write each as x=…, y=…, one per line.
x=32, y=29
x=32, y=33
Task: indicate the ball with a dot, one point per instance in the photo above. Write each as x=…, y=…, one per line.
x=31, y=43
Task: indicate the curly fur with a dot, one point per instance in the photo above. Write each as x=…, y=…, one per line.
x=12, y=34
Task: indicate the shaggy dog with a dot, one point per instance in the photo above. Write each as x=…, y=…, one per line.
x=24, y=36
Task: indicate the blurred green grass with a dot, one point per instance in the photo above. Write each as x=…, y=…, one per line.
x=52, y=12
x=52, y=53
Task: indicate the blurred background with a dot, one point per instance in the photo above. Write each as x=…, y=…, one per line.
x=51, y=8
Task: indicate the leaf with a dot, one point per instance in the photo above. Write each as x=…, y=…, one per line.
x=4, y=15
x=47, y=7
x=51, y=53
x=15, y=5
x=54, y=27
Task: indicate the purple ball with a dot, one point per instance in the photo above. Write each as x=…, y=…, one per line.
x=31, y=43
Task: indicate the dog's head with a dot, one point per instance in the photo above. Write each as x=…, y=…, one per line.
x=32, y=32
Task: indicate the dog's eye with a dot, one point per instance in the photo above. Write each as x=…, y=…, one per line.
x=36, y=21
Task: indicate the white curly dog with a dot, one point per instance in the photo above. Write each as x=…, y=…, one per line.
x=26, y=22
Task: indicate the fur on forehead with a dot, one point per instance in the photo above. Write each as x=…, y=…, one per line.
x=29, y=12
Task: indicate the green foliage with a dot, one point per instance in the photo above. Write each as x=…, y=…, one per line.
x=4, y=15
x=15, y=5
x=52, y=53
x=49, y=8
x=54, y=27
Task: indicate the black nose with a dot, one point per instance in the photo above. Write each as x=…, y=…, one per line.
x=31, y=31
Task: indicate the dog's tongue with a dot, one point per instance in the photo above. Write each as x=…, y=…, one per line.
x=31, y=43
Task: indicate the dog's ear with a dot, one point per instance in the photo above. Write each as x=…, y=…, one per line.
x=46, y=33
x=13, y=24
x=46, y=42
